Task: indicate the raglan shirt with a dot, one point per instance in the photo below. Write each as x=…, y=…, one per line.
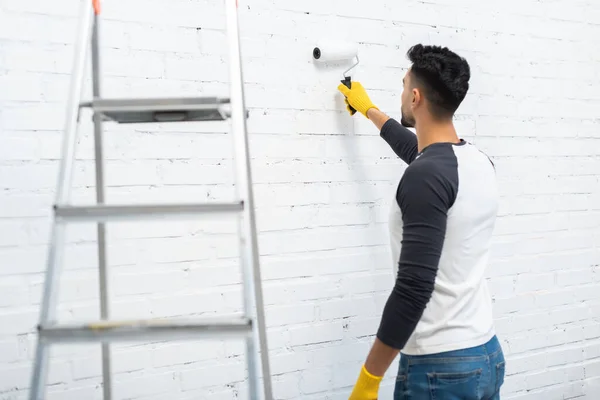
x=440, y=229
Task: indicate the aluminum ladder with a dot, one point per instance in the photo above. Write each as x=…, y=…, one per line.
x=251, y=326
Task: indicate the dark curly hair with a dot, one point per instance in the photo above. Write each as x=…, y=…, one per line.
x=442, y=75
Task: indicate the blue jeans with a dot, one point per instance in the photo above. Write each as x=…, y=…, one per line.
x=469, y=374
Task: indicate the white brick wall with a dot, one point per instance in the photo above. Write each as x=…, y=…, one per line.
x=323, y=185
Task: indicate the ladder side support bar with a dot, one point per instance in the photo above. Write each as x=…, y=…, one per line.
x=100, y=199
x=253, y=295
x=65, y=175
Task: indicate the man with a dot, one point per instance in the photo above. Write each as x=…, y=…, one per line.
x=439, y=314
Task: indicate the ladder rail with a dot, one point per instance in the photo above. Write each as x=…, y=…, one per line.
x=254, y=303
x=103, y=277
x=63, y=191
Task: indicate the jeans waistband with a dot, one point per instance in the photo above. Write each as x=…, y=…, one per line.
x=471, y=354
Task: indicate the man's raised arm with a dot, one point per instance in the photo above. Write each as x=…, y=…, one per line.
x=402, y=141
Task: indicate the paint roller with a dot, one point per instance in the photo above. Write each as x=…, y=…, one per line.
x=328, y=51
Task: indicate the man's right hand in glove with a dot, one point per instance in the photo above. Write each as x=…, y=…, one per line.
x=357, y=97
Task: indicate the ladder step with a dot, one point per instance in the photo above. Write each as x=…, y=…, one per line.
x=150, y=211
x=129, y=111
x=136, y=330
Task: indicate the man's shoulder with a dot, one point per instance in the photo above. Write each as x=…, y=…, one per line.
x=434, y=175
x=481, y=155
x=439, y=160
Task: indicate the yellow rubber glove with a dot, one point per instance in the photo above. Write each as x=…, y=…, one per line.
x=357, y=97
x=366, y=387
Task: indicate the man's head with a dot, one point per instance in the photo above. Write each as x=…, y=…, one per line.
x=435, y=85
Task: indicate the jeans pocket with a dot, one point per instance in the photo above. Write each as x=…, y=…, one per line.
x=454, y=385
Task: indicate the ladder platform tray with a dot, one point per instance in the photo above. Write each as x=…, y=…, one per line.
x=145, y=110
x=136, y=330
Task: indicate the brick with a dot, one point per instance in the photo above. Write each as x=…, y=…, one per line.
x=345, y=308
x=316, y=380
x=290, y=362
x=14, y=292
x=184, y=353
x=502, y=286
x=326, y=239
x=301, y=290
x=74, y=394
x=128, y=387
x=14, y=377
x=141, y=63
x=561, y=374
x=372, y=283
x=192, y=68
x=9, y=351
x=290, y=314
x=177, y=173
x=534, y=282
x=48, y=116
x=312, y=264
x=285, y=386
x=18, y=375
x=553, y=298
x=25, y=205
x=346, y=374
x=202, y=13
x=22, y=260
x=185, y=304
x=342, y=353
x=546, y=359
x=279, y=219
x=278, y=338
x=576, y=277
x=523, y=303
x=60, y=8
x=538, y=340
x=48, y=58
x=214, y=374
x=38, y=28
x=317, y=333
x=162, y=38
x=361, y=327
x=20, y=86
x=288, y=194
x=15, y=233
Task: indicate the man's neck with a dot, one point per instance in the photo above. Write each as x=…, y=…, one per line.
x=432, y=132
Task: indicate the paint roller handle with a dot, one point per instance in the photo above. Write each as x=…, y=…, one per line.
x=348, y=83
x=356, y=96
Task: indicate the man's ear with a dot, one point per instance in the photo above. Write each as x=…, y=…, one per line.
x=416, y=97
